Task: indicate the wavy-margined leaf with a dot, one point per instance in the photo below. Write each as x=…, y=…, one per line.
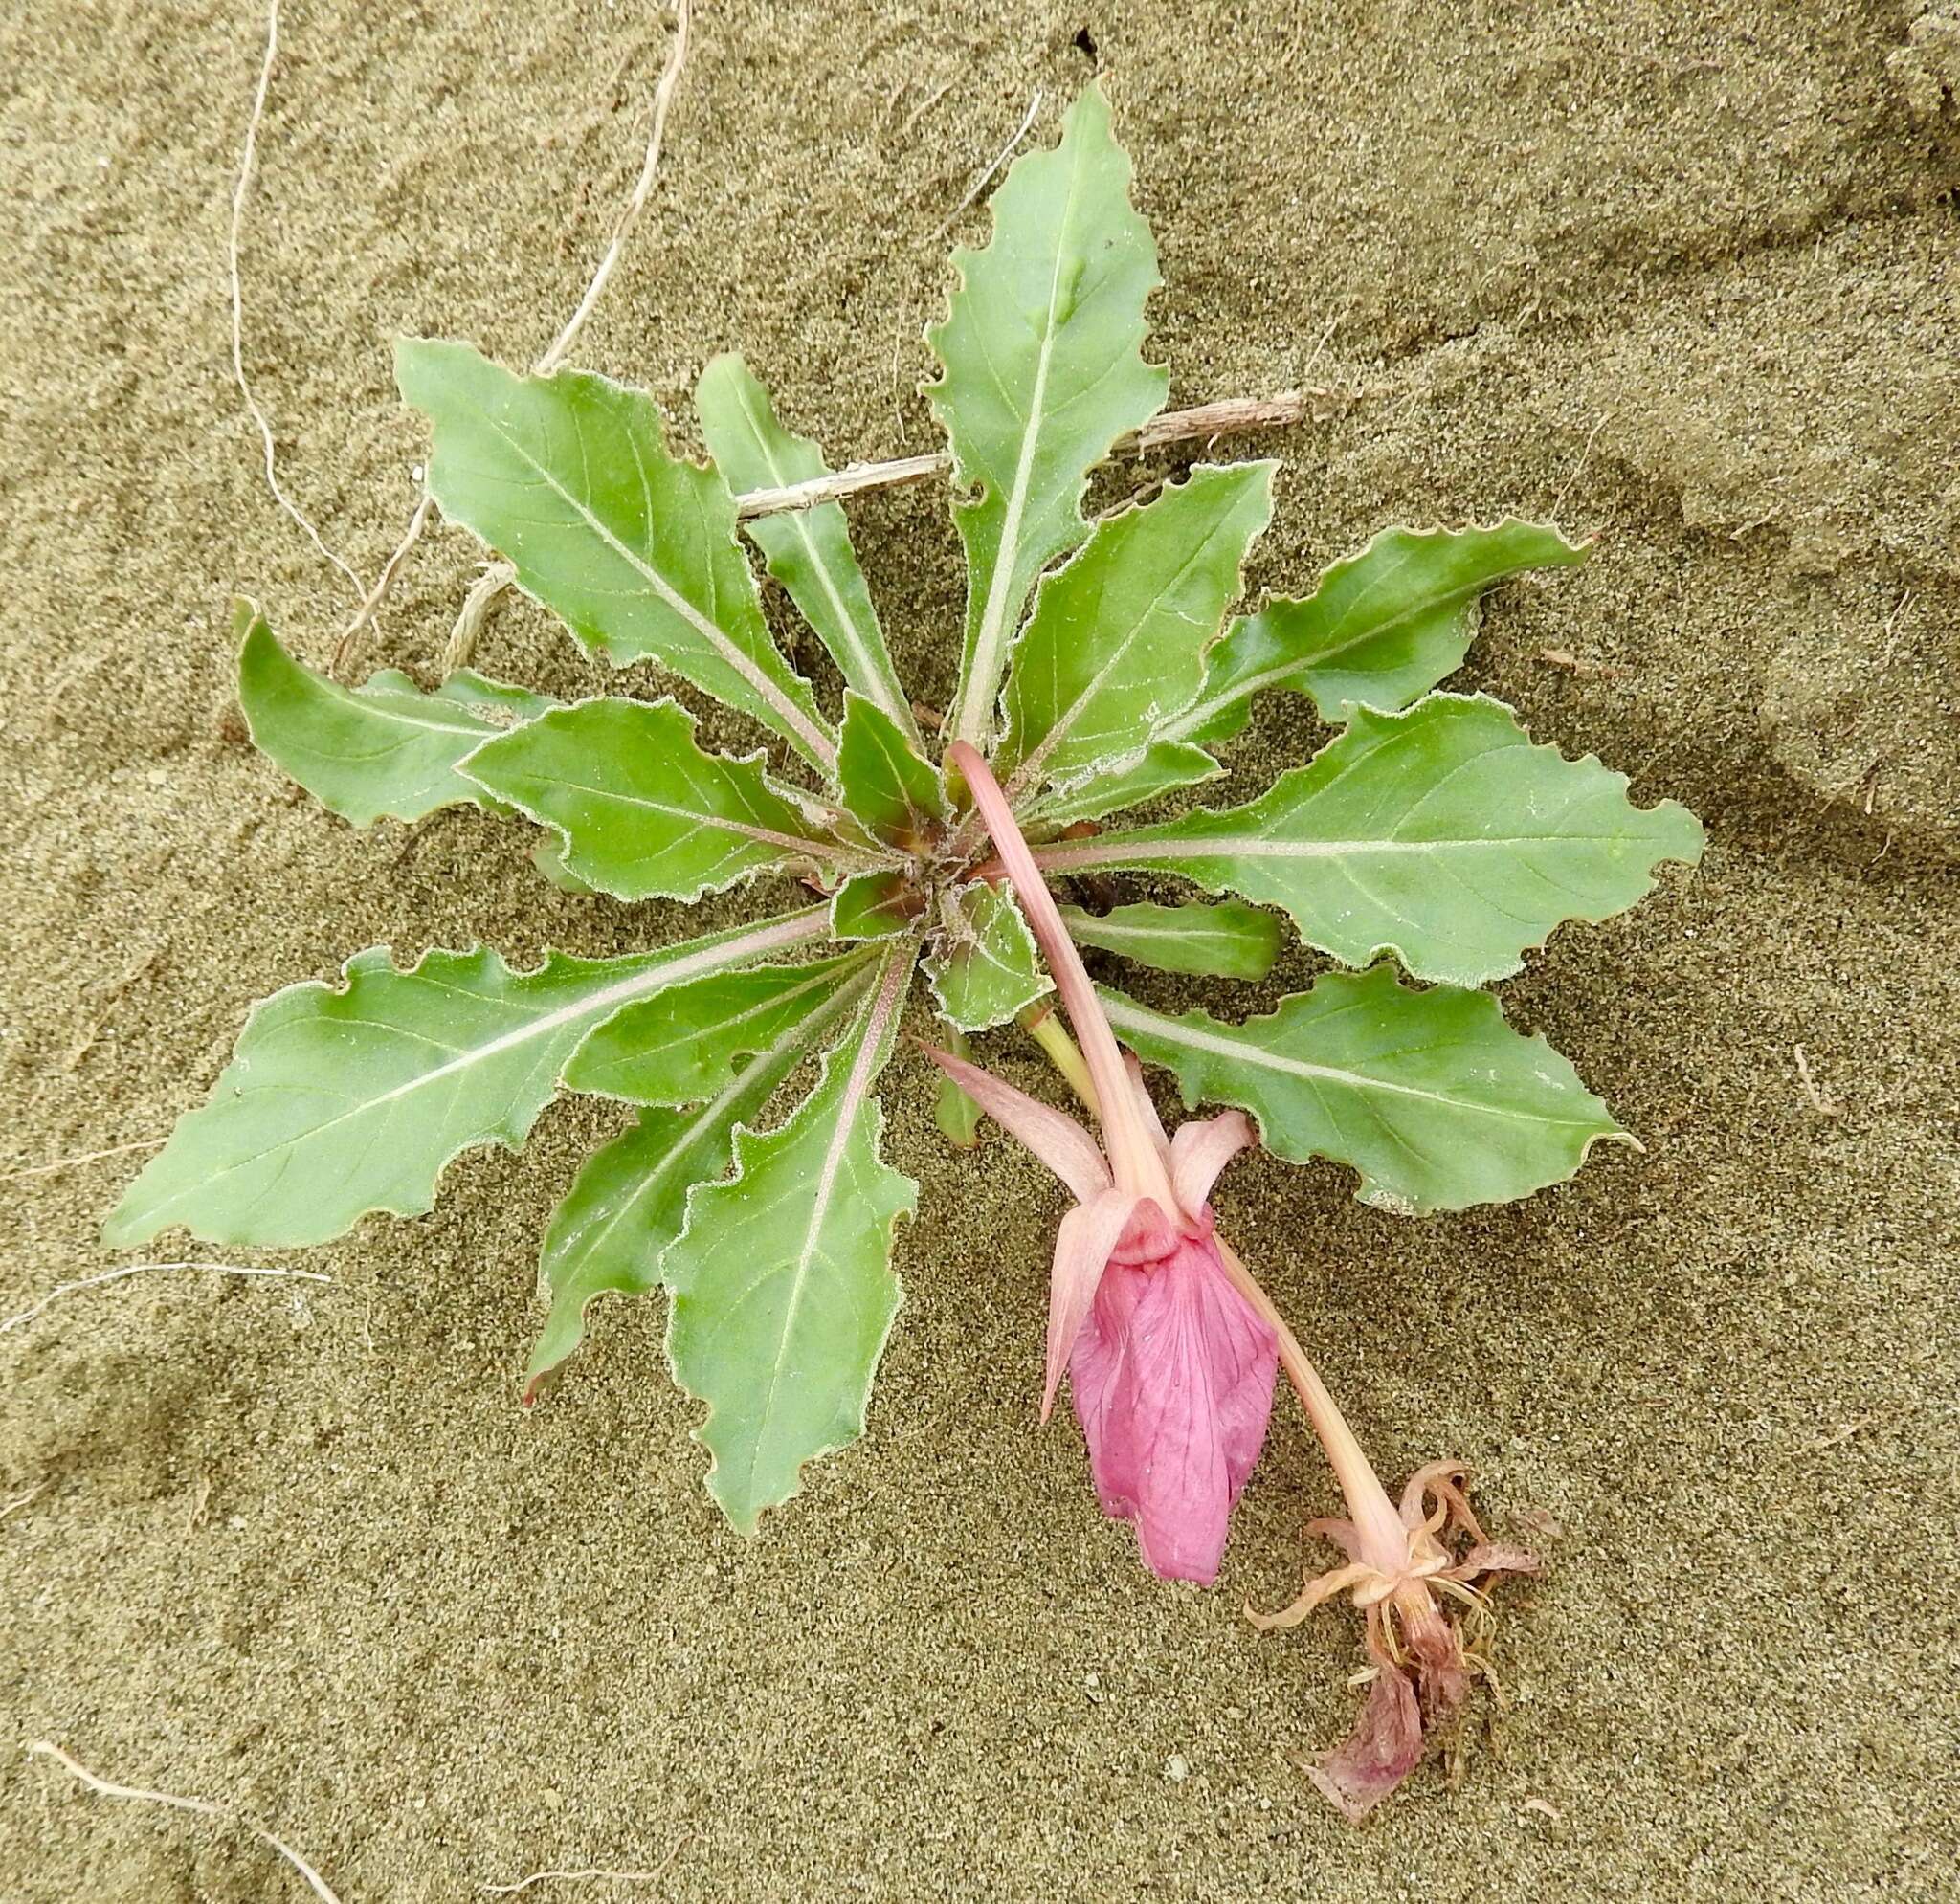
x=783, y=1290
x=628, y=1202
x=345, y=1099
x=383, y=750
x=1227, y=941
x=987, y=967
x=1117, y=641
x=1441, y=835
x=878, y=904
x=676, y=1047
x=1042, y=369
x=1429, y=1094
x=1163, y=767
x=568, y=476
x=643, y=812
x=1383, y=626
x=806, y=550
x=888, y=787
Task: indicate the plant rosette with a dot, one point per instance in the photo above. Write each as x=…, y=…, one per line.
x=1426, y=846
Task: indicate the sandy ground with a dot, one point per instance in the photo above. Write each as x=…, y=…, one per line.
x=1686, y=276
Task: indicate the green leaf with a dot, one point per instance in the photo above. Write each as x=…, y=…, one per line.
x=986, y=966
x=343, y=1101
x=630, y=1200
x=570, y=478
x=879, y=903
x=642, y=810
x=383, y=750
x=1441, y=835
x=1116, y=645
x=1041, y=355
x=806, y=550
x=678, y=1046
x=1429, y=1094
x=1163, y=767
x=1382, y=629
x=888, y=787
x=957, y=1115
x=783, y=1290
x=1229, y=941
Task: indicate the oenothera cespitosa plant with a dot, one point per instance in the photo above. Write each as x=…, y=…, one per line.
x=1100, y=669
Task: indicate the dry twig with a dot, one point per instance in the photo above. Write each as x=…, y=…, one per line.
x=1820, y=1102
x=7, y=1509
x=650, y=166
x=107, y=1788
x=1227, y=417
x=461, y=649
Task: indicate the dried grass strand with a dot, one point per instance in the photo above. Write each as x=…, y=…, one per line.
x=586, y=1871
x=629, y=216
x=54, y=1166
x=240, y=192
x=1226, y=417
x=107, y=1788
x=347, y=651
x=54, y=1295
x=999, y=159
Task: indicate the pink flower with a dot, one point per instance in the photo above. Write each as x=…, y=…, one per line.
x=1171, y=1365
x=1172, y=1378
x=1400, y=1569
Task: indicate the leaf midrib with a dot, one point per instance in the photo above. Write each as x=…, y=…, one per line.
x=719, y=639
x=1244, y=1052
x=975, y=703
x=851, y=1101
x=767, y=939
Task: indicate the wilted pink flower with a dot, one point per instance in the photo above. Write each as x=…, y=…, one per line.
x=1402, y=1573
x=1171, y=1365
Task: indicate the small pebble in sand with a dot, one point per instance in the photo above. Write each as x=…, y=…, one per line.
x=1177, y=1768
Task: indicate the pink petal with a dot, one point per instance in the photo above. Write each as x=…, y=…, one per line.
x=1172, y=1377
x=1202, y=1147
x=1385, y=1746
x=1053, y=1135
x=1496, y=1557
x=1082, y=1246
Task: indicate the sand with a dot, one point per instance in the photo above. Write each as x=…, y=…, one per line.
x=1686, y=279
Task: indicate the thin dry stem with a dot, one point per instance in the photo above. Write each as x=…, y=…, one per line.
x=1819, y=1100
x=650, y=166
x=45, y=1749
x=461, y=649
x=1227, y=417
x=348, y=651
x=7, y=1509
x=60, y=1163
x=999, y=159
x=116, y=1274
x=587, y=1870
x=247, y=163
